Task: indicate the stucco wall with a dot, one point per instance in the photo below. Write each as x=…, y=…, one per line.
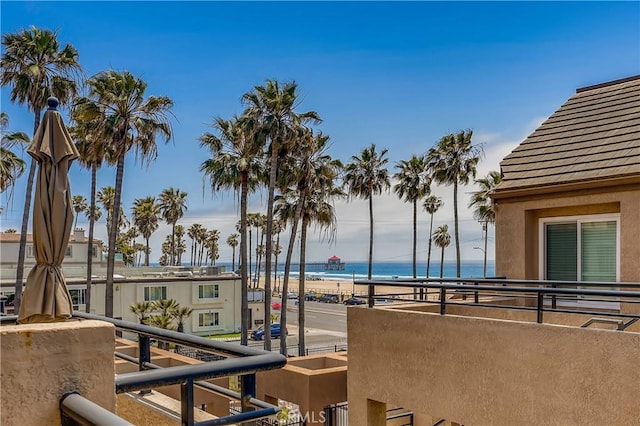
x=478, y=371
x=517, y=231
x=41, y=362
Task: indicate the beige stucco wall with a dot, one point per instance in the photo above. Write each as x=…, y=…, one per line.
x=41, y=362
x=312, y=382
x=477, y=371
x=517, y=221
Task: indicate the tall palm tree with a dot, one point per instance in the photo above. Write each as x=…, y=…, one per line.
x=235, y=163
x=366, y=176
x=11, y=165
x=192, y=233
x=431, y=205
x=133, y=123
x=173, y=205
x=453, y=161
x=273, y=106
x=483, y=208
x=180, y=314
x=36, y=67
x=232, y=241
x=145, y=213
x=93, y=149
x=442, y=239
x=79, y=203
x=213, y=237
x=413, y=185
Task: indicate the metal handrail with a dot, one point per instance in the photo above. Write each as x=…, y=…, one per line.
x=538, y=289
x=78, y=410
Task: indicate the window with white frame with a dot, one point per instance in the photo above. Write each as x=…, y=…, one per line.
x=208, y=291
x=580, y=248
x=68, y=252
x=30, y=252
x=208, y=319
x=77, y=296
x=152, y=293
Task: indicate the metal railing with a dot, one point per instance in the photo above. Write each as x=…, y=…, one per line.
x=569, y=297
x=238, y=360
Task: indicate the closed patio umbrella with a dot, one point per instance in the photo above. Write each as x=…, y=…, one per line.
x=46, y=298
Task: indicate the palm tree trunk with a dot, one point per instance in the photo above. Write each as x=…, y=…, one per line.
x=301, y=319
x=415, y=246
x=285, y=283
x=370, y=236
x=429, y=249
x=442, y=263
x=173, y=244
x=250, y=254
x=233, y=261
x=113, y=234
x=25, y=224
x=244, y=281
x=486, y=229
x=275, y=263
x=75, y=222
x=269, y=246
x=92, y=208
x=146, y=253
x=455, y=218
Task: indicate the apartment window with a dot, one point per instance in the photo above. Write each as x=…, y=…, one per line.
x=581, y=248
x=30, y=252
x=152, y=293
x=77, y=296
x=208, y=291
x=94, y=251
x=208, y=319
x=68, y=253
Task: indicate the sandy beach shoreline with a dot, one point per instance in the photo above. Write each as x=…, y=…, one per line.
x=331, y=286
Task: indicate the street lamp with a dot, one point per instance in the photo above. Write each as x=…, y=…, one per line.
x=484, y=270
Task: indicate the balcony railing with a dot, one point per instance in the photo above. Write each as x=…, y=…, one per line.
x=238, y=360
x=570, y=297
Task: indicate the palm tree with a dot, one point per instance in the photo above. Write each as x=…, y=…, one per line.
x=173, y=205
x=413, y=185
x=273, y=106
x=483, y=208
x=232, y=241
x=35, y=67
x=145, y=214
x=133, y=123
x=142, y=311
x=180, y=314
x=366, y=176
x=235, y=164
x=442, y=239
x=192, y=233
x=431, y=205
x=453, y=161
x=11, y=165
x=79, y=203
x=90, y=142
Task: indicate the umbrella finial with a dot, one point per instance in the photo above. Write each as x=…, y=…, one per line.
x=53, y=103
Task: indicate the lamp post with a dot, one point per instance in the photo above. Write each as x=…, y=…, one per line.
x=484, y=270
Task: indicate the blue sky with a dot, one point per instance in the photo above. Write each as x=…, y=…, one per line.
x=398, y=74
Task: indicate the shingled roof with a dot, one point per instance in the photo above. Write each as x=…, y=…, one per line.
x=594, y=136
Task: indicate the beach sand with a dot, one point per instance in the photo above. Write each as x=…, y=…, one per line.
x=340, y=287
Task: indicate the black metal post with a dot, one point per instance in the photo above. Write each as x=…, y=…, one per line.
x=476, y=297
x=247, y=391
x=553, y=297
x=443, y=300
x=144, y=349
x=187, y=402
x=540, y=306
x=372, y=293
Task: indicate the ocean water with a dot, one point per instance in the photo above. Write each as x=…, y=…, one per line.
x=387, y=270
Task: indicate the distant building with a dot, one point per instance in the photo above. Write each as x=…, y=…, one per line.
x=334, y=264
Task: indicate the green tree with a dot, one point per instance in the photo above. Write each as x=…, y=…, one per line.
x=173, y=205
x=366, y=176
x=483, y=208
x=180, y=314
x=145, y=214
x=273, y=106
x=79, y=205
x=453, y=161
x=431, y=205
x=236, y=164
x=133, y=123
x=413, y=185
x=36, y=67
x=232, y=241
x=11, y=165
x=141, y=311
x=442, y=239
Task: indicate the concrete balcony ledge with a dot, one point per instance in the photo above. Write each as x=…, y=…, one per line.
x=41, y=362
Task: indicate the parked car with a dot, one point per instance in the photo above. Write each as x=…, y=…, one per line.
x=292, y=295
x=329, y=298
x=311, y=296
x=355, y=301
x=258, y=334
